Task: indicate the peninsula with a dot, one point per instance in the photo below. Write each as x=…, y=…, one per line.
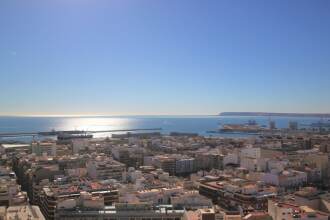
x=271, y=114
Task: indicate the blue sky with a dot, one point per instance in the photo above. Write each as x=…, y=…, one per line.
x=163, y=56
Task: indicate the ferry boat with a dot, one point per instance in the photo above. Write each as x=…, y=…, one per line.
x=250, y=127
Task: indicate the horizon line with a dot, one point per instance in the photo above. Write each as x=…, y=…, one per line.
x=131, y=115
x=101, y=115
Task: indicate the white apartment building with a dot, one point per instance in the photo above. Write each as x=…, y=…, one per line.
x=286, y=178
x=105, y=168
x=44, y=148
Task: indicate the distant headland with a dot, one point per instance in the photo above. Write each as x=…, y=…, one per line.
x=270, y=114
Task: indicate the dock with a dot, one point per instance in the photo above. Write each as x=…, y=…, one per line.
x=56, y=133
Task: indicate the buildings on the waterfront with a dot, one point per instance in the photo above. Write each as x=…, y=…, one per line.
x=179, y=177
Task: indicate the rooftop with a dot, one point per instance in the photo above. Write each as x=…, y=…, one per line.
x=24, y=213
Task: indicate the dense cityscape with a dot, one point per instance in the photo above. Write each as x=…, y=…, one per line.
x=164, y=110
x=278, y=174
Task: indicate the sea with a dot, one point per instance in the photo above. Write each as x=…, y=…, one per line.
x=190, y=124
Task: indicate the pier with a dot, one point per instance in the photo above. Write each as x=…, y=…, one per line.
x=55, y=133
